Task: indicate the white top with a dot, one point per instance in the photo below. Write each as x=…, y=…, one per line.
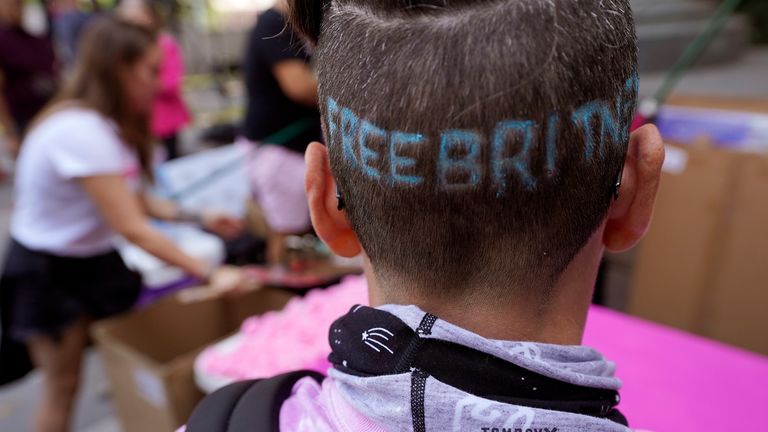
x=53, y=213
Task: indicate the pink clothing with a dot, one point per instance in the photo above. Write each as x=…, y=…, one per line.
x=277, y=180
x=322, y=408
x=169, y=113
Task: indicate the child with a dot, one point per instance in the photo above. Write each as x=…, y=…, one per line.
x=479, y=156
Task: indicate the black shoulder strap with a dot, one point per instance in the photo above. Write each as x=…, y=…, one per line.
x=247, y=405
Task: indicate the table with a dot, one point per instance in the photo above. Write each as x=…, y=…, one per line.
x=678, y=382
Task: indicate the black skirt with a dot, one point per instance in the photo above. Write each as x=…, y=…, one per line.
x=41, y=293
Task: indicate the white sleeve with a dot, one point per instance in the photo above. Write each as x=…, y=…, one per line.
x=86, y=145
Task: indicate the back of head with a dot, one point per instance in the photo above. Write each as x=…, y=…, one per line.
x=475, y=143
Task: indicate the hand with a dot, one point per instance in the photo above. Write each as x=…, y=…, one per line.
x=222, y=224
x=228, y=279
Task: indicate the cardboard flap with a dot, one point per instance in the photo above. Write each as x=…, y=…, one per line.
x=149, y=353
x=167, y=328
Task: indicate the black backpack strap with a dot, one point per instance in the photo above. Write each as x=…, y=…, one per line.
x=247, y=405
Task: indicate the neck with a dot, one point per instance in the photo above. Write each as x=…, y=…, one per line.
x=559, y=321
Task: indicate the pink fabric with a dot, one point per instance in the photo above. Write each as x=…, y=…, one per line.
x=277, y=180
x=169, y=113
x=678, y=382
x=295, y=338
x=313, y=408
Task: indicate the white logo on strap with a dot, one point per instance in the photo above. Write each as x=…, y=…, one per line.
x=376, y=338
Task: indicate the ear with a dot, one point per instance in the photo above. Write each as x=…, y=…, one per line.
x=330, y=223
x=630, y=215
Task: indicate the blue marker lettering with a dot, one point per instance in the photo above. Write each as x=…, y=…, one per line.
x=368, y=129
x=519, y=162
x=398, y=163
x=470, y=163
x=348, y=132
x=552, y=125
x=609, y=123
x=583, y=117
x=625, y=104
x=332, y=109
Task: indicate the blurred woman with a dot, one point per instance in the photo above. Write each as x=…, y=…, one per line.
x=169, y=112
x=27, y=73
x=79, y=185
x=283, y=118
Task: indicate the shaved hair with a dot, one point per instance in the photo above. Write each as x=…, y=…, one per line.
x=476, y=144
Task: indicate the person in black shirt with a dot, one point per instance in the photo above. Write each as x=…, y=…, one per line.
x=282, y=118
x=282, y=89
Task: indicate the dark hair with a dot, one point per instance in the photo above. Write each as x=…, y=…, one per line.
x=159, y=11
x=108, y=46
x=475, y=143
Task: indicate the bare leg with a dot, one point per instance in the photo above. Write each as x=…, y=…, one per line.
x=60, y=362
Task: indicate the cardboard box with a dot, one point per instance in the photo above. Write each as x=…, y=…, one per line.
x=149, y=354
x=703, y=267
x=736, y=312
